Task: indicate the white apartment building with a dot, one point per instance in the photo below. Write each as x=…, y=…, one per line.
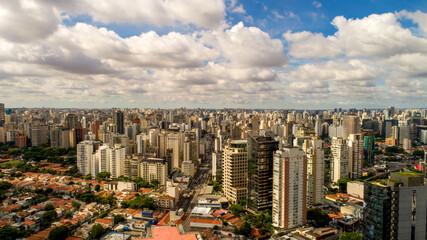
x=340, y=161
x=289, y=188
x=117, y=157
x=154, y=168
x=355, y=160
x=84, y=156
x=235, y=170
x=315, y=171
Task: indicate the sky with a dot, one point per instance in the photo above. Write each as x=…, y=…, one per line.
x=213, y=53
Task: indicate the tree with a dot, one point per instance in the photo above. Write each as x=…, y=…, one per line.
x=217, y=186
x=236, y=209
x=8, y=232
x=49, y=216
x=76, y=205
x=73, y=171
x=5, y=185
x=97, y=187
x=118, y=218
x=87, y=177
x=68, y=214
x=103, y=175
x=350, y=236
x=317, y=217
x=342, y=183
x=58, y=233
x=418, y=153
x=97, y=231
x=140, y=202
x=14, y=151
x=155, y=182
x=86, y=197
x=242, y=202
x=103, y=214
x=245, y=229
x=48, y=207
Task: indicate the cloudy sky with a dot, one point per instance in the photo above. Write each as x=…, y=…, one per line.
x=213, y=53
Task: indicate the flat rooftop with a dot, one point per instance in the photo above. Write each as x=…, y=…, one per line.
x=170, y=233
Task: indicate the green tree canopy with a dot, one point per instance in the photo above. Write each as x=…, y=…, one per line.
x=76, y=205
x=317, y=217
x=103, y=175
x=236, y=209
x=350, y=236
x=97, y=187
x=155, y=182
x=118, y=218
x=68, y=214
x=8, y=232
x=49, y=216
x=48, y=207
x=418, y=153
x=97, y=231
x=103, y=214
x=342, y=183
x=5, y=185
x=87, y=177
x=139, y=203
x=58, y=233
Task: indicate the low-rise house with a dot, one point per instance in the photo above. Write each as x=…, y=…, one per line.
x=105, y=222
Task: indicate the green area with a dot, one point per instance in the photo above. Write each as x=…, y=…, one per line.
x=350, y=236
x=58, y=233
x=342, y=184
x=97, y=231
x=42, y=152
x=317, y=217
x=9, y=164
x=118, y=218
x=89, y=197
x=263, y=222
x=418, y=153
x=8, y=232
x=145, y=184
x=408, y=174
x=139, y=202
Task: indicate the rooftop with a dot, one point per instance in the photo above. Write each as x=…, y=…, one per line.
x=408, y=174
x=160, y=233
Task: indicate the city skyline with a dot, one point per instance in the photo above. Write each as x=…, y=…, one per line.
x=213, y=54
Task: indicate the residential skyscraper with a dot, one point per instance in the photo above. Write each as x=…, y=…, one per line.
x=260, y=172
x=117, y=157
x=369, y=146
x=119, y=121
x=2, y=115
x=396, y=206
x=84, y=156
x=20, y=139
x=154, y=168
x=289, y=188
x=71, y=121
x=315, y=171
x=351, y=124
x=235, y=170
x=339, y=162
x=355, y=160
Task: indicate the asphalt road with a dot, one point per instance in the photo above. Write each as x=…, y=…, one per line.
x=198, y=182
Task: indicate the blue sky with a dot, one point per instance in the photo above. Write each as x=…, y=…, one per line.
x=213, y=53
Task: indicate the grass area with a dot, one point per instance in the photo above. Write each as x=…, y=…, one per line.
x=409, y=174
x=9, y=164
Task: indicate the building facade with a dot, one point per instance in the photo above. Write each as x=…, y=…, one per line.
x=235, y=167
x=260, y=172
x=289, y=188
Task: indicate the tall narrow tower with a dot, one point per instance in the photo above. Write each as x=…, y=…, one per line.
x=289, y=188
